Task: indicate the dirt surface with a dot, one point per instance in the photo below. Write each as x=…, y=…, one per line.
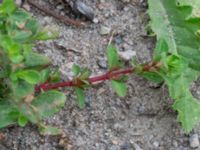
x=143, y=120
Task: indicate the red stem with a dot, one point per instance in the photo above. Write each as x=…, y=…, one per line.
x=107, y=76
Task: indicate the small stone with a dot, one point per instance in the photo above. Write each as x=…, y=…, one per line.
x=127, y=55
x=175, y=144
x=156, y=144
x=95, y=20
x=136, y=146
x=105, y=30
x=60, y=7
x=102, y=63
x=194, y=141
x=126, y=146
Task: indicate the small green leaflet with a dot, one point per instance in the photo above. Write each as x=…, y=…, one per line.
x=31, y=76
x=22, y=121
x=80, y=97
x=120, y=87
x=113, y=58
x=76, y=70
x=21, y=89
x=34, y=59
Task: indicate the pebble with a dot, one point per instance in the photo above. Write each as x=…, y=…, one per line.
x=127, y=55
x=95, y=20
x=126, y=146
x=175, y=144
x=194, y=141
x=105, y=30
x=156, y=144
x=102, y=63
x=136, y=146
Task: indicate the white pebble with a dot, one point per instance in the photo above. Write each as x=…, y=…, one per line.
x=194, y=141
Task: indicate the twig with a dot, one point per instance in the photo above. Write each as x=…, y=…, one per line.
x=64, y=19
x=107, y=76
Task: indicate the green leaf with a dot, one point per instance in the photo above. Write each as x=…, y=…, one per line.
x=187, y=106
x=44, y=74
x=21, y=89
x=176, y=27
x=13, y=49
x=22, y=121
x=49, y=130
x=21, y=36
x=76, y=69
x=6, y=109
x=160, y=50
x=31, y=76
x=49, y=103
x=195, y=4
x=80, y=97
x=55, y=76
x=113, y=58
x=152, y=76
x=44, y=105
x=172, y=24
x=34, y=59
x=7, y=6
x=47, y=33
x=85, y=73
x=120, y=87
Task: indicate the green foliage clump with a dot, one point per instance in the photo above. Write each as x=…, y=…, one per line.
x=21, y=70
x=176, y=24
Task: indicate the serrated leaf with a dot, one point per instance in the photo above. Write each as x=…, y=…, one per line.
x=31, y=76
x=171, y=24
x=112, y=57
x=80, y=97
x=49, y=130
x=176, y=25
x=187, y=106
x=120, y=87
